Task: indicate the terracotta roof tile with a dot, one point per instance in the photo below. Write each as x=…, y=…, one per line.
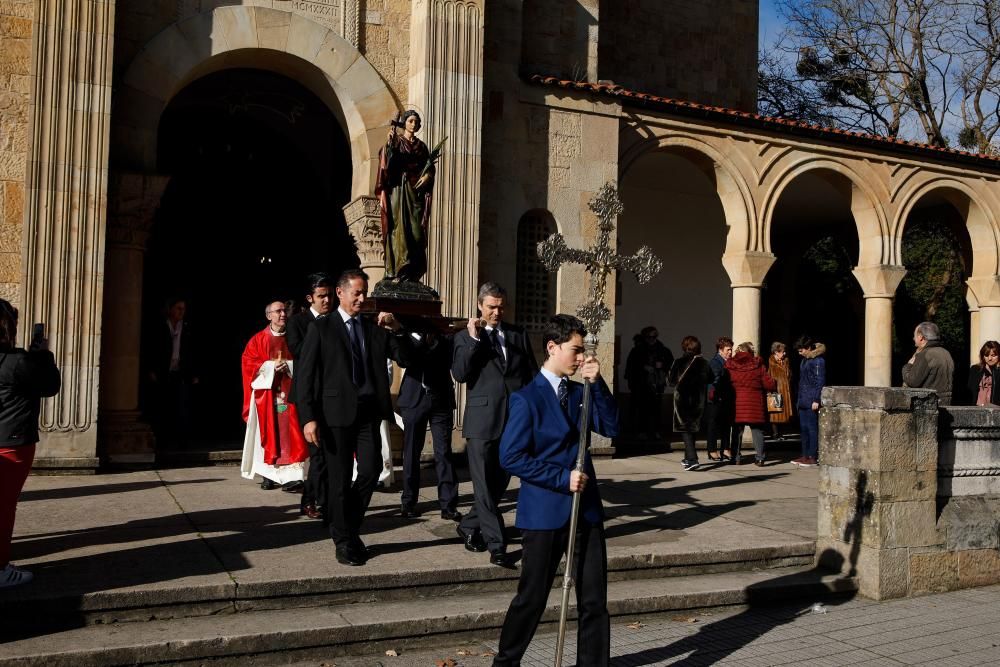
x=745, y=117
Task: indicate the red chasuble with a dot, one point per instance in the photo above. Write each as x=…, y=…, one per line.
x=280, y=434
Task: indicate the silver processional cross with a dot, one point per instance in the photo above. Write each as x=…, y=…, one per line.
x=598, y=261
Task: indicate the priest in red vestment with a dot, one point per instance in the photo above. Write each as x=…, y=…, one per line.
x=274, y=446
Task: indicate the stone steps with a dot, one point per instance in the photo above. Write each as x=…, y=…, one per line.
x=368, y=627
x=33, y=609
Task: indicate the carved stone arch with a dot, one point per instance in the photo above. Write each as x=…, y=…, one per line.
x=239, y=36
x=731, y=186
x=980, y=221
x=866, y=206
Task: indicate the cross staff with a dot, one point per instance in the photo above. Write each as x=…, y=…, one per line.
x=599, y=261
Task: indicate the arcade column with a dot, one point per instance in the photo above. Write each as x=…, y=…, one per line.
x=124, y=439
x=747, y=270
x=986, y=290
x=879, y=284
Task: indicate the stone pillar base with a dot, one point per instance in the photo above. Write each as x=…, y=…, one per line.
x=126, y=440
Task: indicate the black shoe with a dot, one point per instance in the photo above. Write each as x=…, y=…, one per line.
x=473, y=542
x=380, y=486
x=451, y=515
x=267, y=484
x=501, y=559
x=408, y=511
x=293, y=487
x=348, y=556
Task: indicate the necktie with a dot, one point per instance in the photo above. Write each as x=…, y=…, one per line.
x=498, y=348
x=357, y=358
x=564, y=395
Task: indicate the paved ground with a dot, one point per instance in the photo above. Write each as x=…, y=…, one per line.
x=171, y=529
x=959, y=629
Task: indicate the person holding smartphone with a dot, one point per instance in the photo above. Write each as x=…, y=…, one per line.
x=25, y=377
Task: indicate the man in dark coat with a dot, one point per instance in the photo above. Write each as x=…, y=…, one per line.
x=494, y=359
x=342, y=398
x=931, y=366
x=314, y=493
x=172, y=367
x=427, y=396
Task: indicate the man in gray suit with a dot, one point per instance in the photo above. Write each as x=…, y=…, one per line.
x=493, y=359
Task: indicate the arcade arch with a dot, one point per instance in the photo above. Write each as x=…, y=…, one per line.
x=811, y=230
x=672, y=203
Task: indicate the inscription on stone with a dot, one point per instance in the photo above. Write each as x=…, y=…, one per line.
x=328, y=12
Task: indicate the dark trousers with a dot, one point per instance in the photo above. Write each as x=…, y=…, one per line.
x=489, y=481
x=543, y=549
x=690, y=451
x=347, y=503
x=415, y=421
x=316, y=488
x=809, y=428
x=718, y=427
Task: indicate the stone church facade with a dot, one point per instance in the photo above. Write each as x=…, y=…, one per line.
x=542, y=102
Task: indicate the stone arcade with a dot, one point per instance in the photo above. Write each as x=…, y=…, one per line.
x=543, y=102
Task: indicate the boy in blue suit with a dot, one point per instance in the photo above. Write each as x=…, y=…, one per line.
x=539, y=445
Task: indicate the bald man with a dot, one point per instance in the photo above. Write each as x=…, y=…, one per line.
x=274, y=446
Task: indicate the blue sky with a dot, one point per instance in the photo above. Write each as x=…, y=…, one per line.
x=770, y=22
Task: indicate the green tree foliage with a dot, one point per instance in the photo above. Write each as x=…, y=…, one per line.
x=934, y=287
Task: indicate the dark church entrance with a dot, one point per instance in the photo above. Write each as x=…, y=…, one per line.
x=259, y=172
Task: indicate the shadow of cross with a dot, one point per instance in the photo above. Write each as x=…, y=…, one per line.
x=864, y=501
x=600, y=260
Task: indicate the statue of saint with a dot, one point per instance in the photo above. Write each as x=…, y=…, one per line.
x=405, y=179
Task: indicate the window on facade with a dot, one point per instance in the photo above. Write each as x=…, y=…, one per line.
x=536, y=287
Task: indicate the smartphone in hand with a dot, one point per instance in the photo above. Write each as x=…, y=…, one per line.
x=37, y=335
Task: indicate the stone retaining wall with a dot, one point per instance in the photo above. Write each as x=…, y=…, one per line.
x=909, y=494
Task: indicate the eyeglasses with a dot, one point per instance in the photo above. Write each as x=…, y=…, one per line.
x=278, y=310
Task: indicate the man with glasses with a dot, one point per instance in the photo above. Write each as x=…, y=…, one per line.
x=274, y=446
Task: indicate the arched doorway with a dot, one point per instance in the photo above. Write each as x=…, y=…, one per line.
x=260, y=170
x=671, y=204
x=936, y=250
x=810, y=288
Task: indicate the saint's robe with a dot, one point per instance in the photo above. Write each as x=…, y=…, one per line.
x=274, y=446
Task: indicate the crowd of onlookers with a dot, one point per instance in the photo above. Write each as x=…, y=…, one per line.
x=736, y=389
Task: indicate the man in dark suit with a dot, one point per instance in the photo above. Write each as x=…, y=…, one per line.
x=494, y=359
x=540, y=446
x=427, y=396
x=342, y=398
x=172, y=368
x=314, y=493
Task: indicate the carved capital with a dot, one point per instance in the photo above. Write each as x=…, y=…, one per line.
x=364, y=222
x=748, y=268
x=132, y=203
x=879, y=282
x=986, y=290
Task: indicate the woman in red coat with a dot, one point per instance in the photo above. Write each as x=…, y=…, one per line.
x=750, y=382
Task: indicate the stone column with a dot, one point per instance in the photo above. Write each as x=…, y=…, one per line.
x=446, y=84
x=747, y=270
x=364, y=223
x=65, y=202
x=987, y=293
x=878, y=454
x=974, y=327
x=133, y=200
x=879, y=284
